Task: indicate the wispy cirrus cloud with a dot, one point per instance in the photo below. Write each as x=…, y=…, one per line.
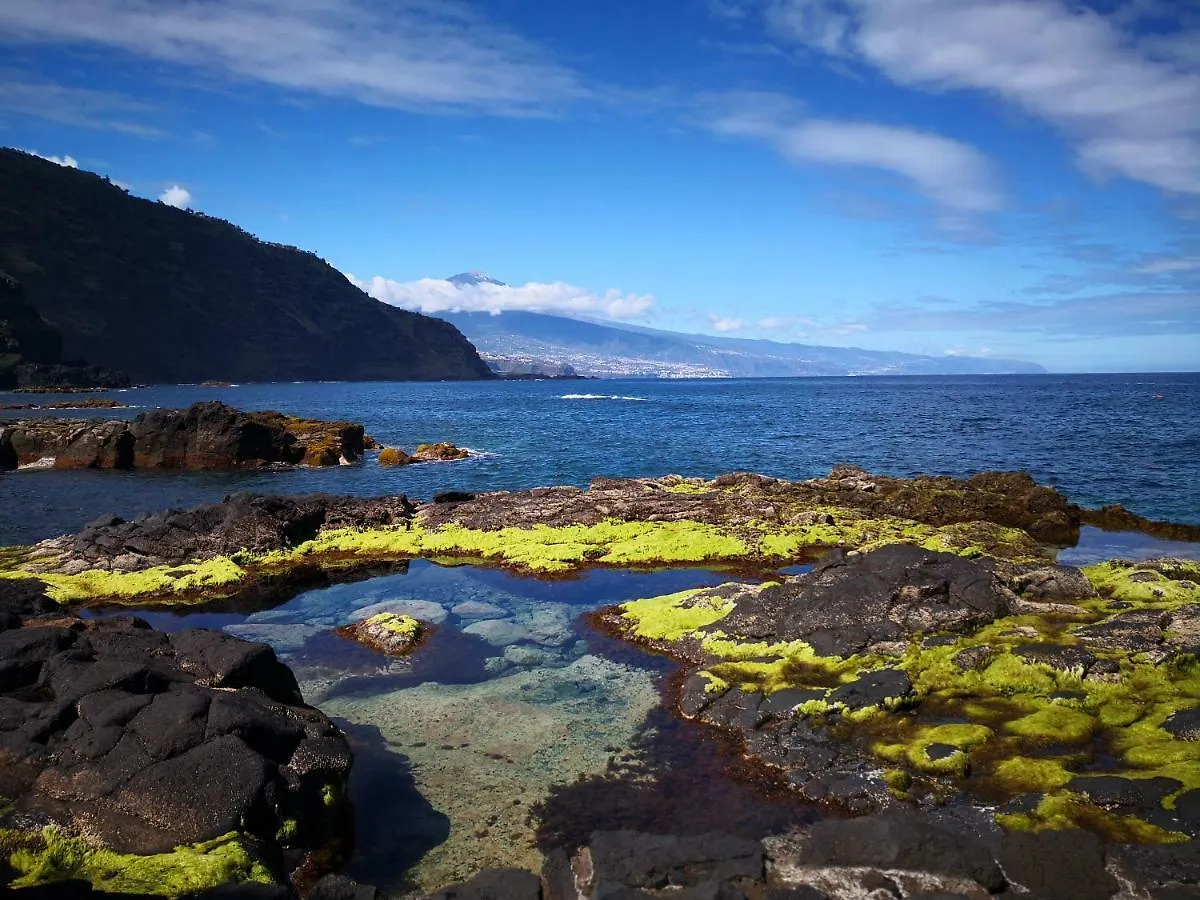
x=66, y=105
x=415, y=54
x=957, y=178
x=435, y=295
x=1115, y=314
x=1129, y=104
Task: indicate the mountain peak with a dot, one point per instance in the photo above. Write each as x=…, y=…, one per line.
x=467, y=279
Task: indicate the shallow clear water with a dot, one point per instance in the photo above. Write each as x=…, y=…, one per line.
x=1099, y=438
x=515, y=726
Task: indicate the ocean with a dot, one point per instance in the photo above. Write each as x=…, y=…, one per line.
x=1098, y=438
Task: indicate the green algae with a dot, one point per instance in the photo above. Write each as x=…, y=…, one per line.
x=1067, y=809
x=1145, y=586
x=841, y=527
x=1024, y=774
x=50, y=855
x=394, y=623
x=542, y=549
x=1054, y=723
x=674, y=616
x=538, y=550
x=994, y=723
x=11, y=558
x=689, y=487
x=194, y=582
x=768, y=668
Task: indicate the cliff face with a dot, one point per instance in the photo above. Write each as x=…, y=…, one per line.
x=31, y=348
x=169, y=295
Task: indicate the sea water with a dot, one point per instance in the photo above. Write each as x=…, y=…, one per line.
x=1098, y=438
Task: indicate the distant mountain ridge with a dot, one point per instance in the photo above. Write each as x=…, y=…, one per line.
x=520, y=341
x=170, y=296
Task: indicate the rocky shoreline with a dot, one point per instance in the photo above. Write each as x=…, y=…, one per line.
x=999, y=724
x=203, y=436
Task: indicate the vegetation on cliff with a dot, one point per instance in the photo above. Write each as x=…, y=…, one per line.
x=165, y=294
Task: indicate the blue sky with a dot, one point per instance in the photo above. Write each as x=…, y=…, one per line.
x=1018, y=178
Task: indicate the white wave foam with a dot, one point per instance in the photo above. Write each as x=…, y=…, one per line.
x=601, y=397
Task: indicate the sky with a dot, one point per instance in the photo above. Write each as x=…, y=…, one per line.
x=1013, y=178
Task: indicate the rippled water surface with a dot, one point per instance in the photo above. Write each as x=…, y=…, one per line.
x=1099, y=438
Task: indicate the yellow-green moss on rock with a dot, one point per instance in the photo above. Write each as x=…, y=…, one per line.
x=50, y=855
x=1158, y=584
x=192, y=582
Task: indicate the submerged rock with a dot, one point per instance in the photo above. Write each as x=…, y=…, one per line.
x=440, y=452
x=388, y=632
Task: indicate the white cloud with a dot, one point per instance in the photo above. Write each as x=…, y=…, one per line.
x=774, y=323
x=407, y=53
x=69, y=161
x=1167, y=265
x=1131, y=107
x=954, y=175
x=433, y=295
x=176, y=196
x=723, y=325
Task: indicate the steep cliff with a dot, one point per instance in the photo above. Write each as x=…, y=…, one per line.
x=169, y=295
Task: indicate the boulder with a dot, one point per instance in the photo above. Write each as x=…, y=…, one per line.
x=442, y=451
x=139, y=742
x=389, y=633
x=852, y=601
x=203, y=436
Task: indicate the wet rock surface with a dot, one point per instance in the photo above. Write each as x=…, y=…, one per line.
x=241, y=523
x=140, y=741
x=389, y=633
x=850, y=602
x=204, y=436
x=901, y=676
x=1010, y=499
x=881, y=857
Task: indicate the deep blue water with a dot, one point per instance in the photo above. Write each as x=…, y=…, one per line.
x=1099, y=438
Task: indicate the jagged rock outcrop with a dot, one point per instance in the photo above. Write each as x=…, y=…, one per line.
x=135, y=742
x=888, y=856
x=1009, y=499
x=203, y=436
x=1047, y=695
x=443, y=451
x=242, y=523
